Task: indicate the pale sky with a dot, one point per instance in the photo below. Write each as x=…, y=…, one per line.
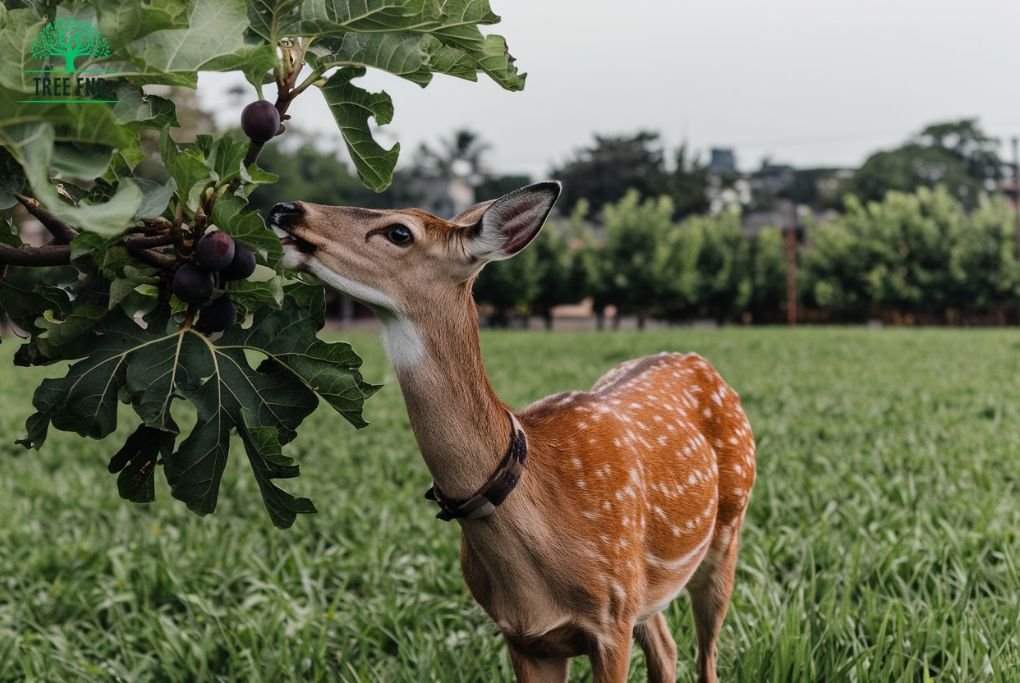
x=810, y=82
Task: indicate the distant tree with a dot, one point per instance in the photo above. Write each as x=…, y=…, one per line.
x=768, y=276
x=553, y=259
x=462, y=155
x=688, y=184
x=964, y=139
x=498, y=185
x=605, y=171
x=903, y=255
x=634, y=228
x=983, y=269
x=723, y=261
x=676, y=273
x=70, y=38
x=956, y=154
x=509, y=286
x=589, y=273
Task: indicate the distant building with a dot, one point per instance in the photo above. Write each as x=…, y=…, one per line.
x=734, y=193
x=723, y=161
x=773, y=179
x=444, y=197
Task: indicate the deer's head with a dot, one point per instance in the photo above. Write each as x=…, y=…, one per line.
x=405, y=263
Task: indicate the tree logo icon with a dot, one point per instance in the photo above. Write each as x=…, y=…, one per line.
x=70, y=38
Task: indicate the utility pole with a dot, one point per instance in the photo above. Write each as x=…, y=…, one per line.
x=1016, y=189
x=790, y=240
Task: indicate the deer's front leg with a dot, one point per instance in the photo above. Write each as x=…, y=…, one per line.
x=611, y=661
x=529, y=669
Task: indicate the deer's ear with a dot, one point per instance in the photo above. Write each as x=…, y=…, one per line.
x=506, y=225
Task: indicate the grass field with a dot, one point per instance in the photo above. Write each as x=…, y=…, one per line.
x=882, y=542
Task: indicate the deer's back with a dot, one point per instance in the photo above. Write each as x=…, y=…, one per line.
x=648, y=471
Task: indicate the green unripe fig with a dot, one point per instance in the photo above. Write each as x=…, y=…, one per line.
x=217, y=316
x=192, y=284
x=151, y=169
x=215, y=251
x=242, y=266
x=260, y=121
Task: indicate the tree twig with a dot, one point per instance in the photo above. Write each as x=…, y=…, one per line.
x=147, y=241
x=62, y=232
x=149, y=257
x=48, y=255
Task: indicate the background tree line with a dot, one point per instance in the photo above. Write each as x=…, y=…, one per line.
x=920, y=232
x=911, y=257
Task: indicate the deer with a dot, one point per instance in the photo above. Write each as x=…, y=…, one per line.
x=583, y=515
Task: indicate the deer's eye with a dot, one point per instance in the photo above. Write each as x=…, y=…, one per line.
x=399, y=235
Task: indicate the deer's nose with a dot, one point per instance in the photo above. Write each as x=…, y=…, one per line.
x=283, y=214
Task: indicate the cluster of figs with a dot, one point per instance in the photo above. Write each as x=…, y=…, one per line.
x=218, y=258
x=217, y=255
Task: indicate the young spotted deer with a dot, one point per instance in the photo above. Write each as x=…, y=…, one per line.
x=583, y=515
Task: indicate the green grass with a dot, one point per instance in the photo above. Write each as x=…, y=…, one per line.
x=881, y=543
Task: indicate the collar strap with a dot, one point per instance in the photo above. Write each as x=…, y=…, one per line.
x=495, y=490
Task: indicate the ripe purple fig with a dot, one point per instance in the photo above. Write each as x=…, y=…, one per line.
x=215, y=251
x=242, y=266
x=217, y=316
x=260, y=121
x=192, y=284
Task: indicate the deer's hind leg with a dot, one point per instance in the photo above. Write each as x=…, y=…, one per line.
x=710, y=589
x=659, y=647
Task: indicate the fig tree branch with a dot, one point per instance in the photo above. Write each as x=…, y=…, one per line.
x=48, y=255
x=149, y=257
x=147, y=241
x=62, y=232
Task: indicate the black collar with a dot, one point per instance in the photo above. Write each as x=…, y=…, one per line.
x=495, y=490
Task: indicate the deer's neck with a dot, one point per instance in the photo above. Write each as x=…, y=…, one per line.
x=459, y=423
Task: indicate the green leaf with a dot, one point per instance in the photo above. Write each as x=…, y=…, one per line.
x=262, y=444
x=268, y=18
x=138, y=110
x=80, y=160
x=19, y=30
x=122, y=22
x=489, y=56
x=32, y=145
x=352, y=106
x=24, y=305
x=136, y=463
x=155, y=196
x=400, y=53
x=93, y=123
x=152, y=367
x=68, y=328
x=251, y=294
x=190, y=173
x=223, y=156
x=214, y=40
x=12, y=180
